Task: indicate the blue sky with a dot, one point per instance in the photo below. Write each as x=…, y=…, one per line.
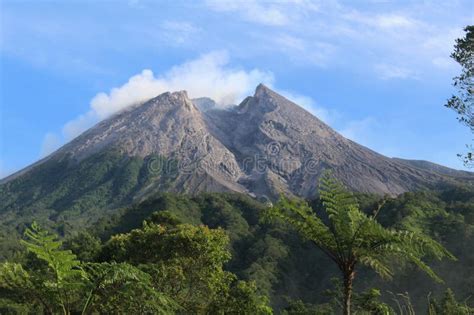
x=377, y=71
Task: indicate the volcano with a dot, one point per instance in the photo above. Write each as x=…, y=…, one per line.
x=263, y=147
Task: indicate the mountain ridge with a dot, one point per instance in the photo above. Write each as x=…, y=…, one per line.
x=262, y=148
x=266, y=145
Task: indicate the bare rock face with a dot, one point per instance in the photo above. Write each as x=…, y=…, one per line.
x=293, y=148
x=265, y=146
x=169, y=125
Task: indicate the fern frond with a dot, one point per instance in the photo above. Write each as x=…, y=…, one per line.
x=46, y=247
x=342, y=208
x=351, y=237
x=378, y=265
x=298, y=214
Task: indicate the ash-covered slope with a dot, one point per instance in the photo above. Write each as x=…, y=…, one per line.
x=433, y=167
x=170, y=126
x=161, y=145
x=265, y=146
x=282, y=147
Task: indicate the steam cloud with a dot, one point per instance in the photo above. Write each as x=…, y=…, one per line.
x=207, y=75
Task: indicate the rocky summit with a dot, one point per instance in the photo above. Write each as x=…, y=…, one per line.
x=280, y=147
x=265, y=146
x=172, y=144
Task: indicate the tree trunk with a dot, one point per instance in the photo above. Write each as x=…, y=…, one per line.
x=348, y=279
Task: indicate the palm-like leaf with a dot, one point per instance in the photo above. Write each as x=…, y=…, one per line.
x=352, y=237
x=299, y=215
x=46, y=247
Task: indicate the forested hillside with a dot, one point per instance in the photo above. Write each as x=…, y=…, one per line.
x=292, y=272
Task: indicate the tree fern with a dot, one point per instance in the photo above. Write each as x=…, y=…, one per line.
x=350, y=237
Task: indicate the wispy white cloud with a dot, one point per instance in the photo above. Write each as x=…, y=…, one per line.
x=76, y=43
x=387, y=72
x=438, y=46
x=179, y=32
x=394, y=21
x=384, y=36
x=81, y=123
x=444, y=62
x=267, y=13
x=209, y=75
x=301, y=50
x=403, y=42
x=321, y=33
x=382, y=21
x=137, y=4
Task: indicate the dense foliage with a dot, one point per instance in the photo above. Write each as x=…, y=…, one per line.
x=350, y=238
x=161, y=268
x=53, y=281
x=68, y=195
x=290, y=271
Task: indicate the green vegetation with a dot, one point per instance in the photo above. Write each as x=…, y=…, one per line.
x=449, y=306
x=158, y=269
x=463, y=102
x=66, y=195
x=251, y=260
x=53, y=281
x=350, y=238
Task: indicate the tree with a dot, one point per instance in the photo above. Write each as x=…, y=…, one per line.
x=448, y=306
x=164, y=268
x=84, y=245
x=463, y=102
x=351, y=238
x=366, y=302
x=59, y=283
x=186, y=262
x=240, y=298
x=120, y=288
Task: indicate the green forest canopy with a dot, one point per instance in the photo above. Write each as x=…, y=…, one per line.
x=278, y=264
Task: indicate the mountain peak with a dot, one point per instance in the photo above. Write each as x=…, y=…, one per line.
x=178, y=98
x=267, y=146
x=178, y=95
x=261, y=102
x=181, y=94
x=261, y=89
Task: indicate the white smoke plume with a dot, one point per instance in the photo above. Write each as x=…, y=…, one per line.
x=208, y=75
